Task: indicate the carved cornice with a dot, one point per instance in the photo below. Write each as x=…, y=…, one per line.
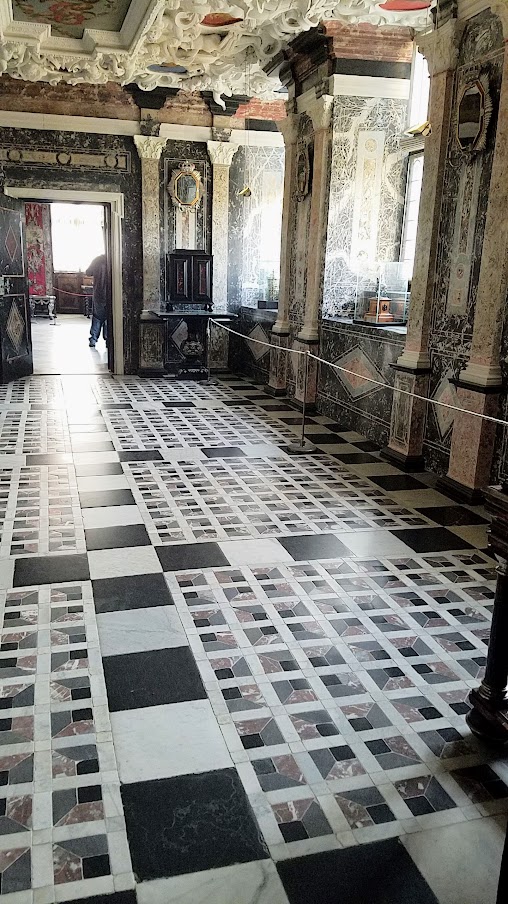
x=288, y=128
x=148, y=147
x=221, y=152
x=441, y=47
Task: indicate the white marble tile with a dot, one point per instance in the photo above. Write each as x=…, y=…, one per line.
x=6, y=573
x=162, y=741
x=114, y=563
x=102, y=483
x=475, y=534
x=136, y=630
x=92, y=458
x=111, y=516
x=244, y=883
x=460, y=862
x=255, y=552
x=375, y=542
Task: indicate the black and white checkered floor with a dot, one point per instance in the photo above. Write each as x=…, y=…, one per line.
x=230, y=675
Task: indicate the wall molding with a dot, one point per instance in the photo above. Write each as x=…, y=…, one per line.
x=369, y=86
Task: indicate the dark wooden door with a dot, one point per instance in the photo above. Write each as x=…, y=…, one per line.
x=15, y=331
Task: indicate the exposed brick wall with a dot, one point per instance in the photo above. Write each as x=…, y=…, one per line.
x=185, y=109
x=256, y=108
x=369, y=42
x=110, y=100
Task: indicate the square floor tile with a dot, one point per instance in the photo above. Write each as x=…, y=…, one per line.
x=189, y=556
x=136, y=630
x=357, y=458
x=117, y=537
x=379, y=873
x=136, y=680
x=245, y=883
x=223, y=452
x=430, y=539
x=254, y=552
x=106, y=446
x=49, y=458
x=389, y=482
x=452, y=515
x=141, y=455
x=190, y=823
x=163, y=741
x=312, y=546
x=138, y=591
x=101, y=499
x=179, y=404
x=111, y=516
x=110, y=563
x=50, y=570
x=104, y=469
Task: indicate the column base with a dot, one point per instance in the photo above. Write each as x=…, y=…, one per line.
x=404, y=462
x=277, y=379
x=488, y=719
x=460, y=492
x=274, y=391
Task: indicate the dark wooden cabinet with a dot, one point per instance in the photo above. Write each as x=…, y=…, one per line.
x=69, y=293
x=189, y=278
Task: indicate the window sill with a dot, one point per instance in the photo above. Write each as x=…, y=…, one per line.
x=399, y=330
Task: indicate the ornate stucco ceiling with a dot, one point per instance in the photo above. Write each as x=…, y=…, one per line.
x=198, y=45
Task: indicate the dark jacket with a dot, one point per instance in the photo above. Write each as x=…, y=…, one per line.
x=101, y=286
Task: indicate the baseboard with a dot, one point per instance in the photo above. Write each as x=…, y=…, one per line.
x=404, y=462
x=459, y=492
x=276, y=393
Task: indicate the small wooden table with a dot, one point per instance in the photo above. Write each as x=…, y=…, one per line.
x=47, y=301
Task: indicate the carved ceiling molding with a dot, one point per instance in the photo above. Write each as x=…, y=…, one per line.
x=167, y=32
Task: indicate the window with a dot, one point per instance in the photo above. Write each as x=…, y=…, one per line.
x=413, y=190
x=77, y=232
x=419, y=92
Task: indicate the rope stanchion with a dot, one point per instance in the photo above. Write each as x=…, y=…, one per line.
x=382, y=385
x=304, y=447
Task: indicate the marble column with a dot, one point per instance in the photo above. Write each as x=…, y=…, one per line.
x=440, y=48
x=221, y=154
x=277, y=381
x=480, y=383
x=151, y=333
x=320, y=111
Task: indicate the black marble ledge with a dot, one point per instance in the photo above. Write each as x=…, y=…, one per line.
x=258, y=315
x=342, y=323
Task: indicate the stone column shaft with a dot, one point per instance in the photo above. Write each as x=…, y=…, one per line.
x=149, y=149
x=221, y=154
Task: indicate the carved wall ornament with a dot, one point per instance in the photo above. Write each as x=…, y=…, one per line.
x=302, y=171
x=474, y=112
x=185, y=187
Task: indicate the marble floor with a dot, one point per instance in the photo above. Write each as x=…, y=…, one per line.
x=230, y=675
x=60, y=346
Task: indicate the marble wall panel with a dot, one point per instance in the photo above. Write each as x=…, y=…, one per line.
x=69, y=160
x=247, y=357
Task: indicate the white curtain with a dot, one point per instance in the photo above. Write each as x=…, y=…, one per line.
x=77, y=233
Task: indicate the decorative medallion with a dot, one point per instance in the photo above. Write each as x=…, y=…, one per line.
x=302, y=171
x=15, y=326
x=358, y=383
x=258, y=334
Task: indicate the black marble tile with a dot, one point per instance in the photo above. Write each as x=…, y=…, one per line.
x=179, y=404
x=49, y=458
x=106, y=446
x=275, y=406
x=139, y=591
x=234, y=402
x=191, y=555
x=190, y=823
x=116, y=537
x=451, y=515
x=152, y=678
x=314, y=546
x=140, y=455
x=240, y=387
x=325, y=439
x=116, y=406
x=116, y=897
x=102, y=498
x=356, y=458
x=377, y=873
x=50, y=570
x=394, y=482
x=366, y=445
x=99, y=469
x=431, y=539
x=223, y=452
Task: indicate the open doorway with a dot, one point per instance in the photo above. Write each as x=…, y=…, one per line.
x=72, y=328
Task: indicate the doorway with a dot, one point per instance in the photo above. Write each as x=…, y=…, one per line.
x=51, y=355
x=62, y=241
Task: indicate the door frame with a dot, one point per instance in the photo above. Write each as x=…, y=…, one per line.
x=116, y=203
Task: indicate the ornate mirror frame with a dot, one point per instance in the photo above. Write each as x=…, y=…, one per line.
x=479, y=86
x=185, y=170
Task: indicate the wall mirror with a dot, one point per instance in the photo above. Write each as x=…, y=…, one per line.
x=473, y=115
x=185, y=187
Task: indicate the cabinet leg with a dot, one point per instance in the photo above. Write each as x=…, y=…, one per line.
x=488, y=718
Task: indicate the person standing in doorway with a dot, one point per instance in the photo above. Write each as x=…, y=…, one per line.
x=101, y=298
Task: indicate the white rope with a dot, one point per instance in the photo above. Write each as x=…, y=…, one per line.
x=352, y=373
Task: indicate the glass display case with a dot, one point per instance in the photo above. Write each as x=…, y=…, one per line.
x=383, y=294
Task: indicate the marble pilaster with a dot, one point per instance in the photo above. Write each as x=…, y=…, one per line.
x=440, y=48
x=221, y=154
x=149, y=149
x=277, y=381
x=480, y=382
